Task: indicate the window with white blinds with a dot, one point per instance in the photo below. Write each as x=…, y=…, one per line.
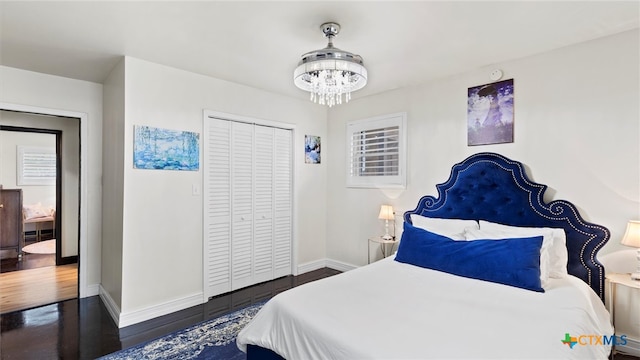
x=376, y=152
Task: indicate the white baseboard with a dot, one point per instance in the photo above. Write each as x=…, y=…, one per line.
x=123, y=319
x=322, y=263
x=110, y=304
x=310, y=266
x=152, y=312
x=91, y=290
x=339, y=265
x=631, y=348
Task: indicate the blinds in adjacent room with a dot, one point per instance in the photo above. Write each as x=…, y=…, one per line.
x=247, y=204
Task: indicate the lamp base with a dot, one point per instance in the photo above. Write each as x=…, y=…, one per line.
x=635, y=276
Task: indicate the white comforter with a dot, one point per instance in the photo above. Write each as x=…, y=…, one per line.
x=390, y=310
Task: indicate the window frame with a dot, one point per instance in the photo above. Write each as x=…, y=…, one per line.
x=398, y=181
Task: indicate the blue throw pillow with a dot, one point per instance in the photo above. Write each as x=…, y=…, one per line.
x=514, y=262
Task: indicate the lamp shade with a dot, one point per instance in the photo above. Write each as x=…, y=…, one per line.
x=386, y=212
x=632, y=235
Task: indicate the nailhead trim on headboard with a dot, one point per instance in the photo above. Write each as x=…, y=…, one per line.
x=479, y=189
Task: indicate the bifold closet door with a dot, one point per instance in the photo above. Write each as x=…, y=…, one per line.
x=283, y=202
x=263, y=202
x=248, y=205
x=217, y=208
x=242, y=183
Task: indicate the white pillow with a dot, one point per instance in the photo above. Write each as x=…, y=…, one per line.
x=558, y=255
x=451, y=228
x=547, y=240
x=35, y=211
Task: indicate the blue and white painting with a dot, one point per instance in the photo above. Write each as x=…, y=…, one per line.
x=312, y=149
x=165, y=149
x=490, y=113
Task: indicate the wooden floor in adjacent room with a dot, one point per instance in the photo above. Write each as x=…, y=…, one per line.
x=29, y=288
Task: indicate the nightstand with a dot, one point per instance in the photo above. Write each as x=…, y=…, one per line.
x=386, y=246
x=615, y=280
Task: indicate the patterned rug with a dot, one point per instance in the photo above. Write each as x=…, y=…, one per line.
x=211, y=339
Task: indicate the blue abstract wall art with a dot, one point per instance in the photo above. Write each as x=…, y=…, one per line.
x=165, y=149
x=490, y=113
x=312, y=149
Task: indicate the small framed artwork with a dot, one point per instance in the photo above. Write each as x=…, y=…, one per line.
x=490, y=113
x=165, y=149
x=311, y=149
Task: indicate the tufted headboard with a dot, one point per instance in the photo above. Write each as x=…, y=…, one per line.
x=491, y=187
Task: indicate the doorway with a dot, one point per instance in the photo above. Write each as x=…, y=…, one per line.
x=40, y=156
x=30, y=165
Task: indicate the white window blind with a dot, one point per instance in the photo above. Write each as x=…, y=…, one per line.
x=36, y=165
x=376, y=152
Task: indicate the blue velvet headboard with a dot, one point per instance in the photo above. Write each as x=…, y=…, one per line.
x=489, y=186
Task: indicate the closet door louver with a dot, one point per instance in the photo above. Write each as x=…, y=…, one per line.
x=263, y=200
x=242, y=143
x=283, y=203
x=217, y=189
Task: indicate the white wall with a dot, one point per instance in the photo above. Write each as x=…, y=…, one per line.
x=576, y=128
x=30, y=89
x=70, y=170
x=162, y=226
x=112, y=188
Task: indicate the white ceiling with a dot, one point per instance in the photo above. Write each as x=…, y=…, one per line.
x=259, y=43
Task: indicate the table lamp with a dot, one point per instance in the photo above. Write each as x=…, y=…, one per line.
x=632, y=238
x=386, y=214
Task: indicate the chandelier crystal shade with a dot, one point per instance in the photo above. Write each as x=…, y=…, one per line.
x=330, y=74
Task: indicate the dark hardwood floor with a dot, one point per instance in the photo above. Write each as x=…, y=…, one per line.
x=83, y=328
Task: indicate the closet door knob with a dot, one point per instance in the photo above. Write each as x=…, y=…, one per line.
x=1, y=206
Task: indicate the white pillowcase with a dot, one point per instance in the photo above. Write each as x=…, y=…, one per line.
x=36, y=211
x=547, y=240
x=558, y=255
x=451, y=228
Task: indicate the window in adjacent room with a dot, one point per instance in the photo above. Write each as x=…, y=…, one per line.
x=376, y=152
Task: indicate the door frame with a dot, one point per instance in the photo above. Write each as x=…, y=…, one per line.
x=59, y=213
x=83, y=290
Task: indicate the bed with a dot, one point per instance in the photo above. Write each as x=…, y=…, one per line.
x=487, y=269
x=39, y=223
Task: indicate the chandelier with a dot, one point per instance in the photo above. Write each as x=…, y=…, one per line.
x=330, y=73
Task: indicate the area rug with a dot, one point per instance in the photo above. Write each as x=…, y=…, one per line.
x=42, y=247
x=211, y=339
